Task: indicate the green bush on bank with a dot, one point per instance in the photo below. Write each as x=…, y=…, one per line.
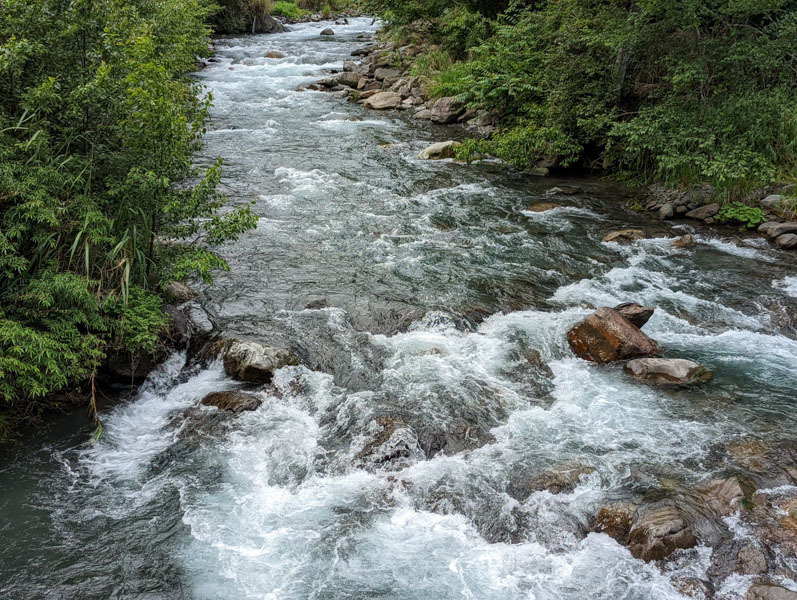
x=289, y=10
x=676, y=91
x=98, y=123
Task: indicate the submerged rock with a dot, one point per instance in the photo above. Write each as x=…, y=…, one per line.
x=606, y=336
x=567, y=190
x=273, y=54
x=234, y=402
x=668, y=371
x=383, y=101
x=395, y=447
x=255, y=362
x=543, y=206
x=615, y=520
x=439, y=150
x=327, y=31
x=684, y=241
x=624, y=235
x=636, y=313
x=659, y=531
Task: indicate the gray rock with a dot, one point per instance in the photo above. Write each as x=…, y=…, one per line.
x=787, y=241
x=424, y=113
x=179, y=292
x=763, y=591
x=446, y=110
x=383, y=101
x=753, y=561
x=234, y=402
x=543, y=206
x=349, y=79
x=439, y=150
x=772, y=201
x=255, y=362
x=383, y=73
x=773, y=229
x=666, y=211
x=636, y=313
x=667, y=371
x=327, y=31
x=704, y=212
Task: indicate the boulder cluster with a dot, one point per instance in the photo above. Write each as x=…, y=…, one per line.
x=780, y=228
x=614, y=334
x=375, y=82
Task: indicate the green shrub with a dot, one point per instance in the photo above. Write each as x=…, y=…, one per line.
x=432, y=62
x=748, y=217
x=681, y=92
x=99, y=120
x=289, y=10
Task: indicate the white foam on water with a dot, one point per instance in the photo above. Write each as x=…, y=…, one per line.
x=787, y=284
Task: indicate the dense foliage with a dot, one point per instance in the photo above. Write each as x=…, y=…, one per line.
x=98, y=122
x=678, y=91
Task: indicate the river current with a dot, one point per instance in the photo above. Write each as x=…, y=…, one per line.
x=414, y=293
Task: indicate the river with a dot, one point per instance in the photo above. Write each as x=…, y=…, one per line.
x=414, y=293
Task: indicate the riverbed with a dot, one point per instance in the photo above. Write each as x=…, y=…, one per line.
x=414, y=292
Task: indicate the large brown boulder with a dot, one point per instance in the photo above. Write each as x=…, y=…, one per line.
x=255, y=362
x=235, y=402
x=606, y=336
x=659, y=531
x=668, y=371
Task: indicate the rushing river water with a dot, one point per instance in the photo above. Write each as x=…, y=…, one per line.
x=413, y=291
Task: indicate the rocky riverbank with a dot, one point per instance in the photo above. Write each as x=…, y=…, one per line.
x=382, y=77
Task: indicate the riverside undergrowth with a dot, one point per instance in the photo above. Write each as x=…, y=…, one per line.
x=681, y=92
x=99, y=203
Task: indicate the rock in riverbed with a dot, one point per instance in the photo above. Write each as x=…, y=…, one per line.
x=234, y=402
x=606, y=336
x=383, y=101
x=659, y=531
x=255, y=362
x=327, y=31
x=439, y=150
x=624, y=235
x=543, y=206
x=668, y=371
x=770, y=592
x=636, y=313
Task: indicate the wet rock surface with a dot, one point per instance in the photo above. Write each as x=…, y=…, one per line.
x=607, y=336
x=667, y=371
x=254, y=362
x=234, y=402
